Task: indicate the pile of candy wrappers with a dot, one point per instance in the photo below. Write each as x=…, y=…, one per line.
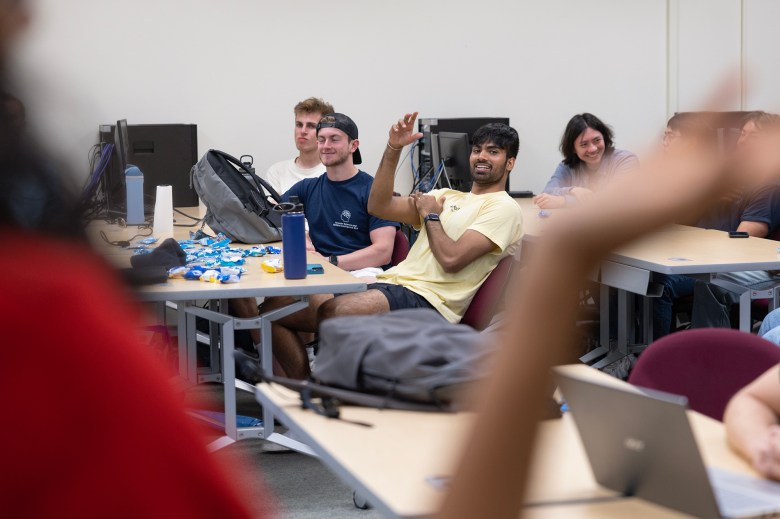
x=211, y=259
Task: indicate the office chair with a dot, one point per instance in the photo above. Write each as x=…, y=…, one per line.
x=707, y=365
x=483, y=305
x=400, y=247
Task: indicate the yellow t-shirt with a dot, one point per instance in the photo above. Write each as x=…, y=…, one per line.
x=494, y=215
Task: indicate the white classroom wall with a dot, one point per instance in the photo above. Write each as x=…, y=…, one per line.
x=236, y=67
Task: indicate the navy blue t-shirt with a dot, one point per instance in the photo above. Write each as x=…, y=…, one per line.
x=337, y=212
x=761, y=205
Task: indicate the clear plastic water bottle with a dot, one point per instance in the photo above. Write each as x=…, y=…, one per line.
x=294, y=239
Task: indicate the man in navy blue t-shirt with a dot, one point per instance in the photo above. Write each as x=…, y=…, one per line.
x=340, y=229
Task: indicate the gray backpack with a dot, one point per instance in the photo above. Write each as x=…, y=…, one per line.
x=413, y=355
x=239, y=203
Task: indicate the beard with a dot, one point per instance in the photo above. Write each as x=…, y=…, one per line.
x=335, y=159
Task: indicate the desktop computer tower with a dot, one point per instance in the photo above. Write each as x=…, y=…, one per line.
x=432, y=126
x=165, y=153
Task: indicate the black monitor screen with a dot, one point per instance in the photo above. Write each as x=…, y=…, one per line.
x=122, y=144
x=454, y=151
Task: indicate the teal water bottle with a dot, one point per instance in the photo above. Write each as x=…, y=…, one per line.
x=293, y=239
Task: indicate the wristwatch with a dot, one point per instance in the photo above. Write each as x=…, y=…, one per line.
x=334, y=260
x=431, y=217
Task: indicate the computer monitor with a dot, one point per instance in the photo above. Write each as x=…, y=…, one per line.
x=121, y=144
x=454, y=152
x=164, y=152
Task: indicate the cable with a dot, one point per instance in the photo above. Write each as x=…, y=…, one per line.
x=91, y=202
x=411, y=149
x=411, y=159
x=195, y=223
x=419, y=181
x=126, y=243
x=438, y=174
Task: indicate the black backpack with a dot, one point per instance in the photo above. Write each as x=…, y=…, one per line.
x=238, y=202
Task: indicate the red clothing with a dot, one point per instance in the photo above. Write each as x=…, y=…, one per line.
x=91, y=426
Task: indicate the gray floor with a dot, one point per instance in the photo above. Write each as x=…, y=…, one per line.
x=301, y=487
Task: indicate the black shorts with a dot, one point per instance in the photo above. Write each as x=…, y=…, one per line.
x=401, y=297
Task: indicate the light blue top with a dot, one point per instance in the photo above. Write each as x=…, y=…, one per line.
x=613, y=163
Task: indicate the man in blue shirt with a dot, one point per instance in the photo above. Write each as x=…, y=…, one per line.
x=335, y=203
x=340, y=230
x=756, y=212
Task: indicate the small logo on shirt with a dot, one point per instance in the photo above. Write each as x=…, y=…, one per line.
x=454, y=207
x=345, y=216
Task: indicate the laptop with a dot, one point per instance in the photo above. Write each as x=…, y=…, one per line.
x=639, y=443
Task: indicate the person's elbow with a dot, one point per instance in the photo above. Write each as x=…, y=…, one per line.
x=383, y=253
x=385, y=256
x=452, y=264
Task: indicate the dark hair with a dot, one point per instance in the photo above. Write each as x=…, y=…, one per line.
x=574, y=128
x=33, y=195
x=759, y=118
x=500, y=134
x=694, y=124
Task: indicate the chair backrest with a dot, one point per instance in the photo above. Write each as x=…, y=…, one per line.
x=400, y=247
x=707, y=365
x=483, y=305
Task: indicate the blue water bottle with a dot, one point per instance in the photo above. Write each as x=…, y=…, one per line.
x=134, y=181
x=294, y=239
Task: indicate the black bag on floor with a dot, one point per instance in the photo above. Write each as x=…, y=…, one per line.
x=239, y=203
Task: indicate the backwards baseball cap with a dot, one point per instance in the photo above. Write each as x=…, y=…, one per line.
x=346, y=125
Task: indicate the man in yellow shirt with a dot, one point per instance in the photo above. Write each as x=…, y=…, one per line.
x=462, y=236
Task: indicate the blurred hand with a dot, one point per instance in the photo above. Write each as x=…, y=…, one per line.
x=548, y=201
x=309, y=246
x=580, y=193
x=767, y=461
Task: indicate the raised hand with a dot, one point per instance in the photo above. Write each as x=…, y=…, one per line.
x=402, y=132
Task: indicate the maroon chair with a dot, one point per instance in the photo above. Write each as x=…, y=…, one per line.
x=400, y=247
x=707, y=365
x=483, y=305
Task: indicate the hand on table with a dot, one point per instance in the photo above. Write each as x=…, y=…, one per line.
x=548, y=201
x=309, y=245
x=767, y=460
x=581, y=193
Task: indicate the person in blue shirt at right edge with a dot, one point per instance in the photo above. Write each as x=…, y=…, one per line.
x=754, y=209
x=590, y=160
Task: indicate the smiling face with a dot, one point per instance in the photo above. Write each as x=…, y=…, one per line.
x=335, y=147
x=589, y=147
x=489, y=164
x=306, y=131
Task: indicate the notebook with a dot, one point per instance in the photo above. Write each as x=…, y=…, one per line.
x=639, y=443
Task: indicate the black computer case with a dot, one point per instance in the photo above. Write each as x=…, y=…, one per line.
x=165, y=153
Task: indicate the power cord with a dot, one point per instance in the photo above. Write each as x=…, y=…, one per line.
x=126, y=243
x=195, y=223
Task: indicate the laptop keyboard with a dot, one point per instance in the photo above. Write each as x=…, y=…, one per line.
x=741, y=495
